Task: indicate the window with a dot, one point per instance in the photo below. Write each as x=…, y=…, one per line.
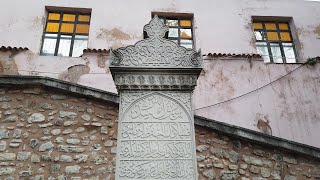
x=274, y=42
x=180, y=30
x=65, y=34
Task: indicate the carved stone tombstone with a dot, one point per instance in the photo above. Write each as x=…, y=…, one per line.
x=155, y=79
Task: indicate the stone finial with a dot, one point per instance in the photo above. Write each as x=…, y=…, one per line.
x=156, y=28
x=155, y=51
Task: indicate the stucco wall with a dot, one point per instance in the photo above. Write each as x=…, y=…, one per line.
x=286, y=109
x=220, y=26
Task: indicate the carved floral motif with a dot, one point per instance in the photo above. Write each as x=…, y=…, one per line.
x=155, y=51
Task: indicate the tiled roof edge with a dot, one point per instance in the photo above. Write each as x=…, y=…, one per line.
x=231, y=130
x=16, y=80
x=93, y=50
x=9, y=48
x=257, y=137
x=233, y=55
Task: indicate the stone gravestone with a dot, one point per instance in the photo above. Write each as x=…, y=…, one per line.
x=155, y=79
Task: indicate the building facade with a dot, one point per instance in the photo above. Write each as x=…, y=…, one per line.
x=261, y=69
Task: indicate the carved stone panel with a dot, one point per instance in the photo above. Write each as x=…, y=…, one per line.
x=156, y=136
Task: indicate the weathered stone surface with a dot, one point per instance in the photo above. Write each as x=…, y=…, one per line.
x=59, y=140
x=290, y=160
x=38, y=177
x=229, y=175
x=233, y=167
x=81, y=158
x=114, y=150
x=71, y=149
x=67, y=131
x=219, y=153
x=72, y=169
x=200, y=157
x=46, y=146
x=10, y=119
x=254, y=169
x=55, y=168
x=4, y=134
x=35, y=158
x=17, y=133
x=67, y=114
x=73, y=141
x=70, y=123
x=265, y=172
x=80, y=129
x=36, y=118
x=58, y=97
x=100, y=159
x=47, y=106
x=201, y=148
x=7, y=156
x=5, y=99
x=288, y=177
x=56, y=132
x=255, y=161
x=22, y=156
x=104, y=130
x=7, y=170
x=210, y=174
x=14, y=144
x=86, y=117
x=3, y=145
x=108, y=143
x=234, y=157
x=65, y=158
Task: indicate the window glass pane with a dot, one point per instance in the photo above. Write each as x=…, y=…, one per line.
x=185, y=33
x=173, y=32
x=49, y=46
x=78, y=47
x=289, y=52
x=64, y=45
x=257, y=25
x=285, y=36
x=276, y=53
x=272, y=36
x=283, y=26
x=52, y=27
x=49, y=35
x=186, y=43
x=54, y=16
x=185, y=23
x=172, y=23
x=81, y=37
x=84, y=18
x=68, y=28
x=262, y=49
x=69, y=17
x=270, y=26
x=260, y=35
x=82, y=28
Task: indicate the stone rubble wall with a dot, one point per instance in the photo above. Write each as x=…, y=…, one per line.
x=51, y=135
x=226, y=158
x=56, y=136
